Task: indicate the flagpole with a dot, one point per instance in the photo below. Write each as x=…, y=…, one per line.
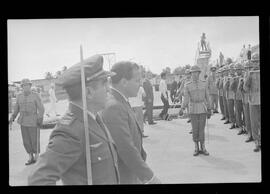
x=85, y=120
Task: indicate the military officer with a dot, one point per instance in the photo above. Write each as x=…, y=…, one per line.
x=231, y=96
x=225, y=99
x=219, y=85
x=244, y=94
x=197, y=98
x=213, y=90
x=252, y=86
x=238, y=105
x=31, y=109
x=65, y=156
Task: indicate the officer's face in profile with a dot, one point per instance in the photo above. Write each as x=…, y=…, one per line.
x=132, y=85
x=98, y=94
x=26, y=87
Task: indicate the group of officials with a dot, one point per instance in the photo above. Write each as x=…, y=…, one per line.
x=115, y=132
x=115, y=135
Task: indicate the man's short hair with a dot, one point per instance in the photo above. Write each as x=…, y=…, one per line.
x=163, y=75
x=123, y=69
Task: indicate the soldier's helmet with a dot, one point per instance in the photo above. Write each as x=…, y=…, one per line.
x=25, y=82
x=187, y=71
x=255, y=57
x=195, y=68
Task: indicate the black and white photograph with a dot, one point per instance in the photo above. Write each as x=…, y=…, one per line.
x=134, y=100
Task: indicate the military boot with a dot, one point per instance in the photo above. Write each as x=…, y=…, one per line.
x=197, y=151
x=203, y=150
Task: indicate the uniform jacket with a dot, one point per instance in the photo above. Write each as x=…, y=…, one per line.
x=148, y=88
x=235, y=89
x=244, y=94
x=196, y=96
x=30, y=108
x=230, y=94
x=127, y=134
x=65, y=156
x=253, y=90
x=211, y=85
x=220, y=86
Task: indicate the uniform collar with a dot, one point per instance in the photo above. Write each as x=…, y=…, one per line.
x=120, y=93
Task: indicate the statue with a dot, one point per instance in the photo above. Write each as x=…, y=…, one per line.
x=221, y=58
x=203, y=42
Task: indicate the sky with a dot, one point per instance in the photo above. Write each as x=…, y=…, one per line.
x=36, y=46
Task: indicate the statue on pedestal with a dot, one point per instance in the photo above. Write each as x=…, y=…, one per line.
x=203, y=42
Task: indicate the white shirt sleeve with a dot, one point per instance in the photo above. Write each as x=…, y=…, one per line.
x=163, y=88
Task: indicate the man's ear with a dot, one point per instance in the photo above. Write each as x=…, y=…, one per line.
x=89, y=92
x=124, y=82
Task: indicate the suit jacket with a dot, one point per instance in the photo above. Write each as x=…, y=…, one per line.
x=30, y=108
x=127, y=134
x=148, y=88
x=174, y=87
x=65, y=156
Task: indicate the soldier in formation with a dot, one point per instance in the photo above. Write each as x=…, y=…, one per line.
x=213, y=89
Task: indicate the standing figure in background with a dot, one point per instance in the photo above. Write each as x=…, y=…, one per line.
x=31, y=110
x=252, y=86
x=225, y=96
x=148, y=99
x=219, y=85
x=196, y=95
x=231, y=96
x=203, y=42
x=136, y=104
x=164, y=97
x=53, y=101
x=221, y=59
x=249, y=53
x=245, y=96
x=238, y=105
x=173, y=88
x=213, y=90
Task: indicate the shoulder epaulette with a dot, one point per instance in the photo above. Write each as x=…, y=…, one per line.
x=67, y=119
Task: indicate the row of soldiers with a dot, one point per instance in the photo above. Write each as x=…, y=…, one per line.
x=237, y=88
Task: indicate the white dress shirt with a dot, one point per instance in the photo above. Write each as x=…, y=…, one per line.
x=137, y=101
x=163, y=87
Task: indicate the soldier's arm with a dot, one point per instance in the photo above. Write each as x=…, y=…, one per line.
x=207, y=99
x=247, y=83
x=16, y=109
x=63, y=150
x=40, y=107
x=116, y=119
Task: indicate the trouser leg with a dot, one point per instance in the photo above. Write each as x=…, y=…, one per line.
x=247, y=119
x=139, y=116
x=202, y=121
x=231, y=110
x=255, y=117
x=165, y=106
x=239, y=112
x=26, y=137
x=225, y=107
x=195, y=126
x=34, y=139
x=216, y=102
x=212, y=101
x=221, y=105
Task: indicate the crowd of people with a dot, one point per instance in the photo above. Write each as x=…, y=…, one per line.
x=115, y=102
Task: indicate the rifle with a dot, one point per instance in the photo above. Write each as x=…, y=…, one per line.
x=85, y=121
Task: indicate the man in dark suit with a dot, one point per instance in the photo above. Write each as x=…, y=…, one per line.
x=65, y=156
x=148, y=100
x=173, y=89
x=125, y=129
